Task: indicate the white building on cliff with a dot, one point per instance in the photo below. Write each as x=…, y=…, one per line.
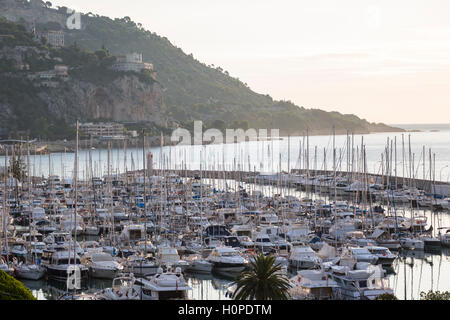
x=131, y=62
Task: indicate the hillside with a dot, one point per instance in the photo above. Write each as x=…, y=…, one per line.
x=45, y=90
x=191, y=90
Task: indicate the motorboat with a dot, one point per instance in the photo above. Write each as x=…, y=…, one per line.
x=303, y=257
x=168, y=256
x=19, y=249
x=366, y=282
x=412, y=243
x=312, y=285
x=62, y=263
x=101, y=265
x=384, y=239
x=227, y=259
x=140, y=265
x=263, y=243
x=384, y=255
x=197, y=264
x=362, y=254
x=169, y=285
x=123, y=288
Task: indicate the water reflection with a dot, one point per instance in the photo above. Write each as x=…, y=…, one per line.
x=412, y=272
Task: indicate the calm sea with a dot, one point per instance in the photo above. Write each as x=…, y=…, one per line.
x=270, y=156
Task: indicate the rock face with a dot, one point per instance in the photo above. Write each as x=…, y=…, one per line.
x=126, y=99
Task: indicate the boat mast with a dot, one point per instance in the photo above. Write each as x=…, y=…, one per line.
x=76, y=201
x=145, y=196
x=5, y=193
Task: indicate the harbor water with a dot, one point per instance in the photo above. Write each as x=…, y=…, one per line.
x=264, y=156
x=413, y=272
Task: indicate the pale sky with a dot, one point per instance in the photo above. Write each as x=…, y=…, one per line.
x=384, y=60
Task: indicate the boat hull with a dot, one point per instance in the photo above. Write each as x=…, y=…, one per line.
x=228, y=267
x=302, y=264
x=60, y=274
x=99, y=273
x=200, y=267
x=34, y=274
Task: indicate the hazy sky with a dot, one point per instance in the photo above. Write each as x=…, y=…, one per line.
x=384, y=60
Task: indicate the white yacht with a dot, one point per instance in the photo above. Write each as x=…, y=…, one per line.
x=19, y=249
x=312, y=285
x=140, y=265
x=263, y=242
x=197, y=264
x=101, y=265
x=168, y=256
x=363, y=255
x=303, y=257
x=123, y=288
x=412, y=244
x=163, y=286
x=365, y=283
x=37, y=248
x=227, y=259
x=246, y=242
x=384, y=255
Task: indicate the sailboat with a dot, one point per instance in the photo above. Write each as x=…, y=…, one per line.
x=29, y=271
x=5, y=267
x=196, y=262
x=33, y=270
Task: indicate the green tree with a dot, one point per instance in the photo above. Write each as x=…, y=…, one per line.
x=12, y=289
x=386, y=296
x=435, y=295
x=219, y=124
x=264, y=281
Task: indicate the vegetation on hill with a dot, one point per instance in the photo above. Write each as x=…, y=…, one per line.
x=196, y=91
x=30, y=115
x=13, y=34
x=192, y=90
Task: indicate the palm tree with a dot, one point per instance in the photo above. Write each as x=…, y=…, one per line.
x=264, y=281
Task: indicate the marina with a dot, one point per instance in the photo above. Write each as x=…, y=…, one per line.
x=162, y=228
x=224, y=158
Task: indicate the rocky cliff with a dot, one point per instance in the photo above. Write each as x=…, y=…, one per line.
x=126, y=99
x=45, y=90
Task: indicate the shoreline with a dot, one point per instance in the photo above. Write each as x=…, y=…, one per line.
x=59, y=146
